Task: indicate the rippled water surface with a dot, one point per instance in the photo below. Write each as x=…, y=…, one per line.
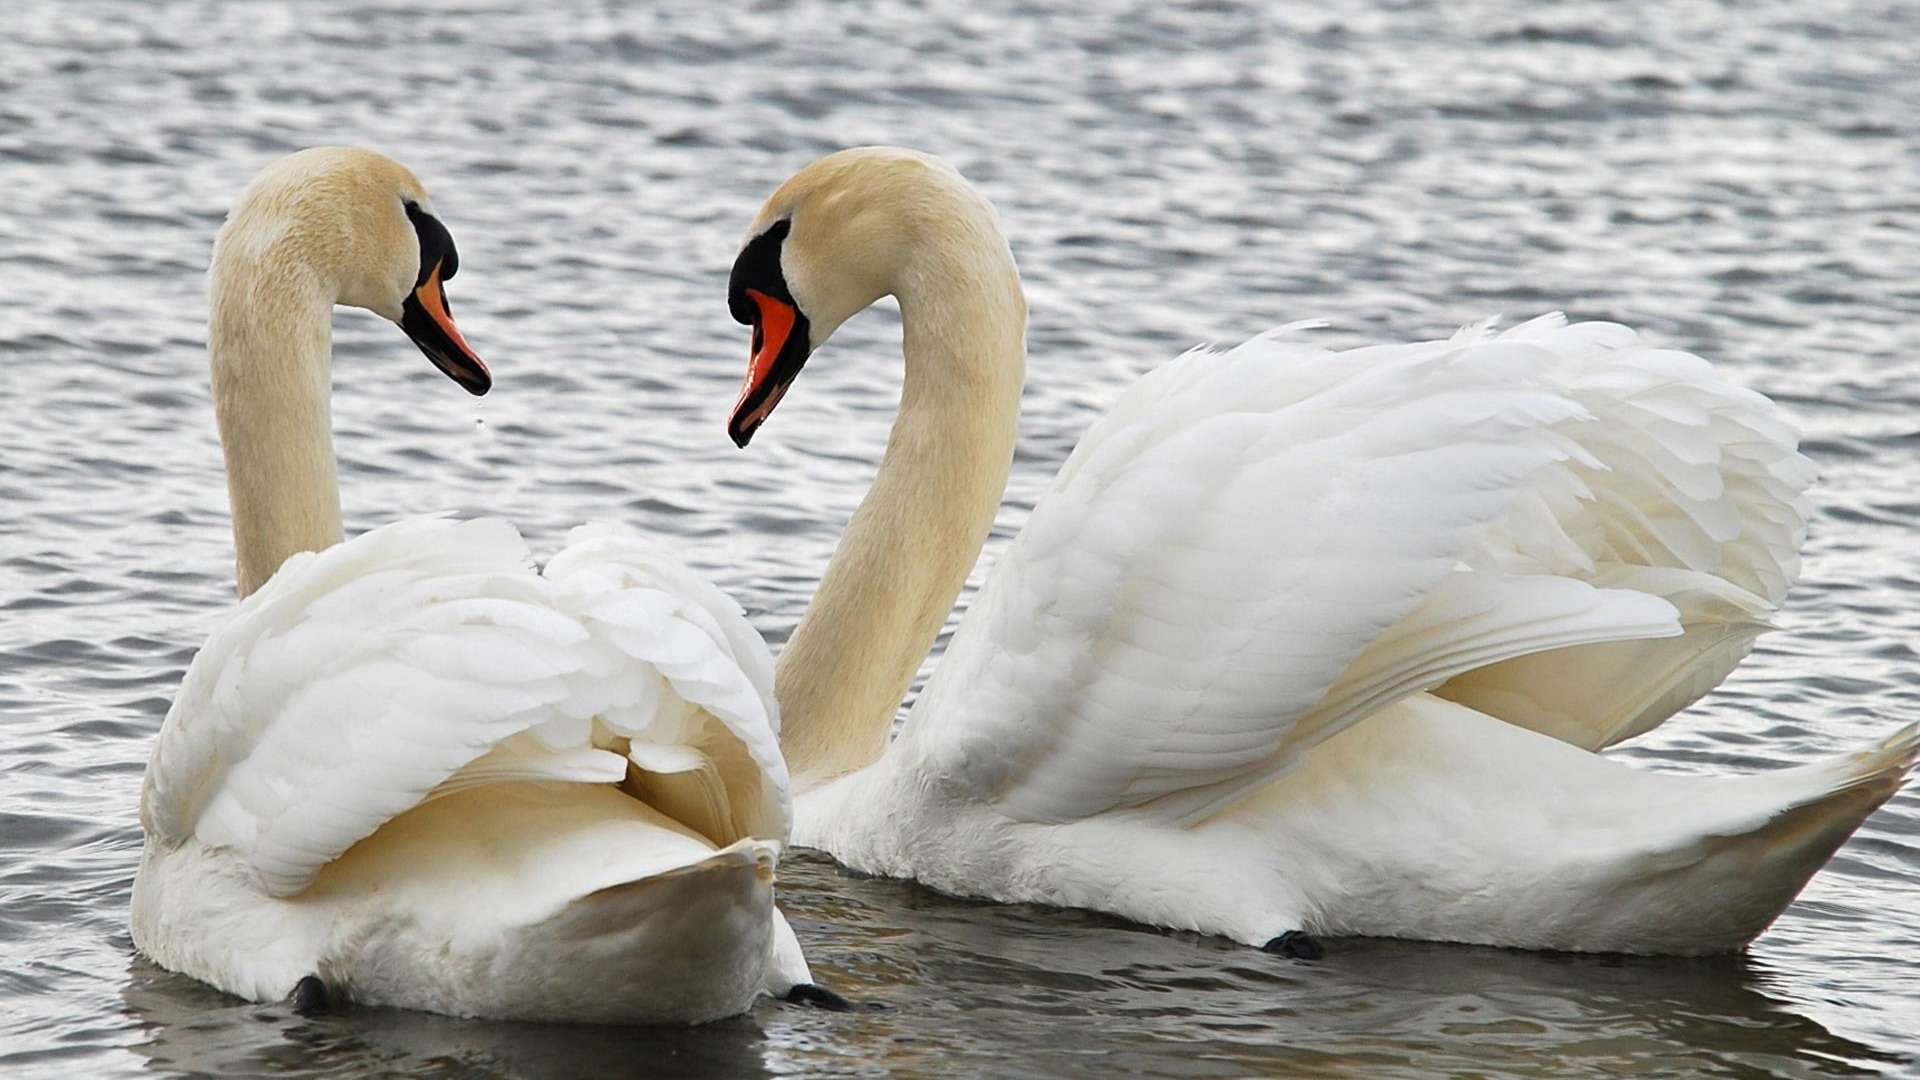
x=1737, y=179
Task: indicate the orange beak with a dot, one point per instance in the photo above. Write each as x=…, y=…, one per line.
x=780, y=348
x=427, y=320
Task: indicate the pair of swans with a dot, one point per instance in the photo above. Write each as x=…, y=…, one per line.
x=1299, y=643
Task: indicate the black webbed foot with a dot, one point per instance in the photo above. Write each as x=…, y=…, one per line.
x=819, y=997
x=1294, y=944
x=310, y=997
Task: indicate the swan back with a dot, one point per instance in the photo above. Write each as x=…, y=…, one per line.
x=425, y=658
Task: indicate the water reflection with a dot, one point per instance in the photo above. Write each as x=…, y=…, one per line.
x=980, y=977
x=1733, y=182
x=1020, y=991
x=193, y=1031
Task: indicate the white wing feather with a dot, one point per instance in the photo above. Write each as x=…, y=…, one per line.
x=1692, y=490
x=425, y=657
x=681, y=676
x=1256, y=549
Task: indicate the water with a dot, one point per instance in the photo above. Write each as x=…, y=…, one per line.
x=1736, y=179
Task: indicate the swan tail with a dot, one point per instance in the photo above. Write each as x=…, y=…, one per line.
x=1476, y=830
x=700, y=935
x=1748, y=866
x=735, y=875
x=1840, y=792
x=684, y=946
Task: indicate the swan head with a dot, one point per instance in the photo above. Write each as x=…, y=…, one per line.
x=360, y=229
x=838, y=235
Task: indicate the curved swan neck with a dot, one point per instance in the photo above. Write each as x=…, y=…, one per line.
x=269, y=345
x=909, y=546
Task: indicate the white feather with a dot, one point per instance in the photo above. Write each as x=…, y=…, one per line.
x=408, y=765
x=423, y=664
x=1299, y=639
x=1259, y=550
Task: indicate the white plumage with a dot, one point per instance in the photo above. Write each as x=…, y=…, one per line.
x=1308, y=640
x=410, y=770
x=408, y=758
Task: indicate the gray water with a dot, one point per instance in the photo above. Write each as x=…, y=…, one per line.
x=1738, y=179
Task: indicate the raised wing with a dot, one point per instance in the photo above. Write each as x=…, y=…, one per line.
x=681, y=681
x=427, y=656
x=1695, y=493
x=1259, y=548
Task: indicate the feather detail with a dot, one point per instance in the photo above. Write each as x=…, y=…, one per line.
x=1259, y=548
x=425, y=658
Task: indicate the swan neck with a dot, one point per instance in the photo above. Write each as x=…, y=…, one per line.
x=269, y=342
x=909, y=546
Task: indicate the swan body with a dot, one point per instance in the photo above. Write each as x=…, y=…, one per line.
x=1298, y=640
x=411, y=768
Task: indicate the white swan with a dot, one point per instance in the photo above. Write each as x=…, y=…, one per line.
x=1298, y=641
x=408, y=770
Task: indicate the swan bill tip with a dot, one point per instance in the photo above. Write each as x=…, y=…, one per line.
x=741, y=433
